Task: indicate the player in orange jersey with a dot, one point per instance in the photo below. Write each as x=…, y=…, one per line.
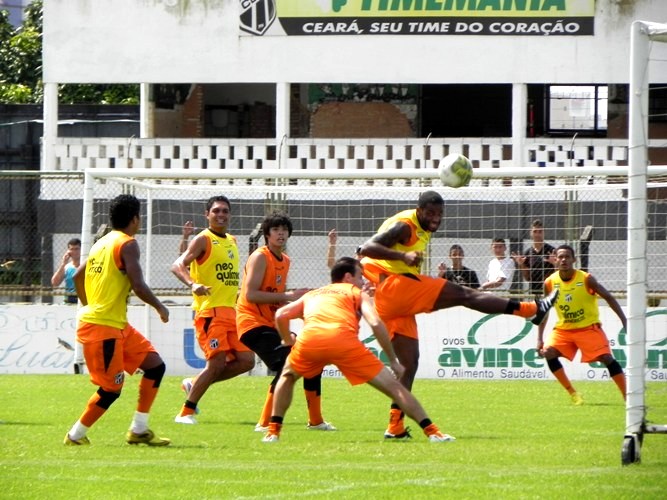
x=392, y=261
x=578, y=327
x=264, y=290
x=111, y=346
x=210, y=268
x=330, y=335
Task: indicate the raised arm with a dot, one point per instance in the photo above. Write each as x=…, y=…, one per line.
x=181, y=266
x=188, y=229
x=331, y=248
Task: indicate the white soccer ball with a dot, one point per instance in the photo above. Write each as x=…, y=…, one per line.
x=455, y=170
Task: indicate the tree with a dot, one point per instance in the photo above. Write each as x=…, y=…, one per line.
x=21, y=68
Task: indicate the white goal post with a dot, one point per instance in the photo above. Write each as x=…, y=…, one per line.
x=642, y=35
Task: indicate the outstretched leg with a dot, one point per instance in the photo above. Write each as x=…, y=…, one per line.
x=456, y=295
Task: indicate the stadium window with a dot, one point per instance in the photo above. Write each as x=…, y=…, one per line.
x=577, y=108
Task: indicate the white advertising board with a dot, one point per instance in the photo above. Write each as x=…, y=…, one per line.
x=455, y=344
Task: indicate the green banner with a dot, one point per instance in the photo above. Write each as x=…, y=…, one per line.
x=417, y=17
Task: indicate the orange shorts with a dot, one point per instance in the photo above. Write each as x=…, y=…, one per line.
x=216, y=332
x=400, y=297
x=110, y=352
x=591, y=341
x=357, y=364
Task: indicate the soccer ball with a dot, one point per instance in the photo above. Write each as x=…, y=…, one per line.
x=455, y=170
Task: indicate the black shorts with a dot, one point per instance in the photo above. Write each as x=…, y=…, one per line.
x=266, y=343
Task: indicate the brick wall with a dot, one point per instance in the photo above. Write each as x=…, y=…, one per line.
x=360, y=120
x=193, y=114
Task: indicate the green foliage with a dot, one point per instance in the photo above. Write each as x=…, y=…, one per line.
x=520, y=439
x=98, y=94
x=21, y=68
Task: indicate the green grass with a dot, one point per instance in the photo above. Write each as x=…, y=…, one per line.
x=514, y=440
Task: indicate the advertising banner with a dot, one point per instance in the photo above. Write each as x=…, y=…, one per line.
x=455, y=344
x=417, y=17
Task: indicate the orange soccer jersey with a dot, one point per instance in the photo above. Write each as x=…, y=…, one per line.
x=251, y=315
x=331, y=335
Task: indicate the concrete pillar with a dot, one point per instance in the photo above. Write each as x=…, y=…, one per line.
x=282, y=121
x=519, y=124
x=50, y=126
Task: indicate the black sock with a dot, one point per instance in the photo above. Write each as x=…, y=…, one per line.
x=512, y=305
x=425, y=423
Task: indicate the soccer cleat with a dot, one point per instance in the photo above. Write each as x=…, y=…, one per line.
x=75, y=442
x=403, y=436
x=147, y=437
x=439, y=437
x=577, y=399
x=543, y=306
x=261, y=428
x=185, y=419
x=324, y=426
x=186, y=385
x=270, y=438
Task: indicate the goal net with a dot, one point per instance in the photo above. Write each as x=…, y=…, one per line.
x=586, y=208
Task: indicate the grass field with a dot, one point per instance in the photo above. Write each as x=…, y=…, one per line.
x=514, y=440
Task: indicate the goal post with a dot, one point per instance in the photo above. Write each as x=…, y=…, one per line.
x=642, y=35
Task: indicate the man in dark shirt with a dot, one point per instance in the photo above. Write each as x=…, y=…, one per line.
x=458, y=273
x=538, y=261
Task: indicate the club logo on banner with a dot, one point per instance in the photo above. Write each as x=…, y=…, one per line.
x=257, y=16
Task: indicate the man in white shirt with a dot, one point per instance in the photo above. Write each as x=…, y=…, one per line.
x=501, y=268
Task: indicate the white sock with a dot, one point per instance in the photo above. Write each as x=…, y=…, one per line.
x=78, y=353
x=77, y=431
x=139, y=423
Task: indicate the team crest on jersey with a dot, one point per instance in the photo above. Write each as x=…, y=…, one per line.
x=118, y=378
x=257, y=16
x=230, y=254
x=279, y=279
x=213, y=343
x=568, y=297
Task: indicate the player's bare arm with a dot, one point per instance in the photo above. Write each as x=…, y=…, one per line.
x=255, y=270
x=601, y=291
x=80, y=283
x=181, y=266
x=381, y=334
x=129, y=254
x=287, y=312
x=379, y=246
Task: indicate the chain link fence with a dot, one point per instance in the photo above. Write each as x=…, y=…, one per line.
x=41, y=212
